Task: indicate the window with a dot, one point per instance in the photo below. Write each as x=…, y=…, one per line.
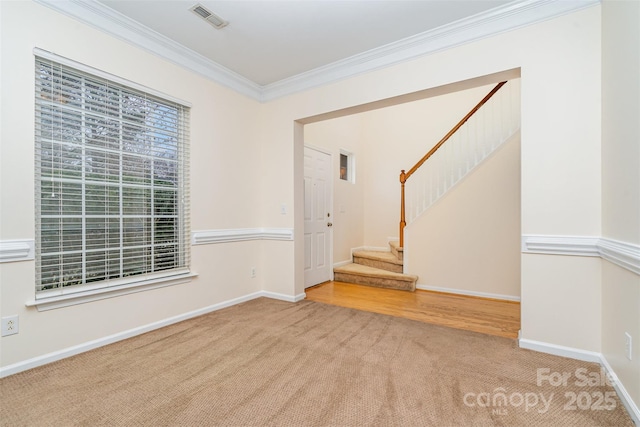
x=111, y=181
x=347, y=166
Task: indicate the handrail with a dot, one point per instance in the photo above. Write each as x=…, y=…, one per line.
x=405, y=175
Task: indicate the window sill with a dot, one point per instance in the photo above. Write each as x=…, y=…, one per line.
x=60, y=301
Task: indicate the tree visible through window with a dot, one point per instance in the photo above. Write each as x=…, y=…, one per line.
x=111, y=181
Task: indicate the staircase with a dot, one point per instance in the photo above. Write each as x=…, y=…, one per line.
x=382, y=269
x=493, y=121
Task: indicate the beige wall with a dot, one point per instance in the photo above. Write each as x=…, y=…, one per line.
x=469, y=240
x=384, y=141
x=560, y=116
x=620, y=123
x=395, y=139
x=620, y=314
x=482, y=214
x=566, y=290
x=562, y=194
x=621, y=183
x=344, y=133
x=221, y=144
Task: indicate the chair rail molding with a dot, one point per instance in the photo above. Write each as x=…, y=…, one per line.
x=560, y=245
x=207, y=237
x=623, y=254
x=17, y=250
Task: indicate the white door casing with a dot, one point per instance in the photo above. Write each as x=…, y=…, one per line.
x=318, y=186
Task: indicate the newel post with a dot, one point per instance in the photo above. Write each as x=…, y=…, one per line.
x=403, y=223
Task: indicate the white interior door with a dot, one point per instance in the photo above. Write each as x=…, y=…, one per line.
x=317, y=217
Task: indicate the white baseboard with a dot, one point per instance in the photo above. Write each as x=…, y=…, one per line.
x=469, y=293
x=283, y=297
x=100, y=342
x=559, y=350
x=341, y=263
x=623, y=394
x=587, y=356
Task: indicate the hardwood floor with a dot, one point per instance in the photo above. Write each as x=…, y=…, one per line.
x=484, y=315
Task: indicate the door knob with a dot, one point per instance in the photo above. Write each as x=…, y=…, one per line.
x=329, y=224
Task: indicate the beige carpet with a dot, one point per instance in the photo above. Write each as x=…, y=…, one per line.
x=272, y=363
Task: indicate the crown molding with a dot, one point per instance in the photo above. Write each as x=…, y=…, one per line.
x=508, y=17
x=499, y=20
x=114, y=23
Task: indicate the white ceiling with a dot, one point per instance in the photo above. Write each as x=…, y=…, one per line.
x=268, y=41
x=274, y=48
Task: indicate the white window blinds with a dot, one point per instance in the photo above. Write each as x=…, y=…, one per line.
x=112, y=184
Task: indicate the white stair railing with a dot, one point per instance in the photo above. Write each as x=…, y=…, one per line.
x=486, y=130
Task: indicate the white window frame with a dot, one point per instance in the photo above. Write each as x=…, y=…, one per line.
x=62, y=296
x=351, y=165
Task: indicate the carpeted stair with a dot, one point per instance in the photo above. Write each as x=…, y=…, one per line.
x=381, y=269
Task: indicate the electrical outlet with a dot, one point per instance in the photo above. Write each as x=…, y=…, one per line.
x=9, y=325
x=253, y=272
x=627, y=345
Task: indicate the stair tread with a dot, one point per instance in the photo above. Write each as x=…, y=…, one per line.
x=378, y=256
x=363, y=270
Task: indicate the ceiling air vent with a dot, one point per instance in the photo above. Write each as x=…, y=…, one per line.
x=209, y=16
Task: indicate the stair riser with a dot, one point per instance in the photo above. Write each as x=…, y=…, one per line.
x=375, y=281
x=396, y=268
x=395, y=251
